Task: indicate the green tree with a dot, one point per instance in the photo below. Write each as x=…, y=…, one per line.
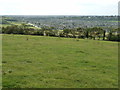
x=104, y=34
x=81, y=32
x=66, y=31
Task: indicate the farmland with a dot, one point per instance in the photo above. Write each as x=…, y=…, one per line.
x=55, y=62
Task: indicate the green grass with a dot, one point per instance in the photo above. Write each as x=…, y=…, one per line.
x=113, y=21
x=5, y=25
x=10, y=23
x=52, y=62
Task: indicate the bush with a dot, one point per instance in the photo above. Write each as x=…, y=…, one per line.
x=114, y=38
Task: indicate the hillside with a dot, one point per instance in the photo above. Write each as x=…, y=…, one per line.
x=53, y=62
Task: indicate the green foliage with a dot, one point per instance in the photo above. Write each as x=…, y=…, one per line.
x=14, y=29
x=92, y=33
x=66, y=31
x=113, y=37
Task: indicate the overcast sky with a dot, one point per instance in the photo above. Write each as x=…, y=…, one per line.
x=59, y=7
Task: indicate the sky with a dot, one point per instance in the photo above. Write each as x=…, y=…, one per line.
x=59, y=7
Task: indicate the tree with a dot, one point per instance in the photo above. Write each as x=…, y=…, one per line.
x=104, y=32
x=96, y=32
x=66, y=31
x=87, y=32
x=114, y=35
x=73, y=32
x=81, y=32
x=110, y=35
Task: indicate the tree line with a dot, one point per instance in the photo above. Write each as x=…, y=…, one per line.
x=79, y=32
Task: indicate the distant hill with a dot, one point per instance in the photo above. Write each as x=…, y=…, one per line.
x=64, y=21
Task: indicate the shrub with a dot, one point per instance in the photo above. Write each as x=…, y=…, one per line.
x=114, y=38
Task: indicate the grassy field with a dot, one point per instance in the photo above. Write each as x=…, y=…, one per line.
x=52, y=62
